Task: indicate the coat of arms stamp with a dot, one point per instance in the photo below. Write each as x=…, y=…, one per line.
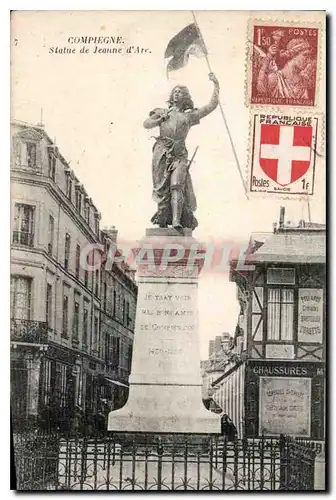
x=283, y=153
x=283, y=64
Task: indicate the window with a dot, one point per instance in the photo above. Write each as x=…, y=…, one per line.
x=78, y=250
x=75, y=323
x=52, y=164
x=280, y=276
x=129, y=357
x=17, y=151
x=128, y=318
x=86, y=277
x=50, y=234
x=59, y=387
x=23, y=233
x=96, y=328
x=94, y=345
x=46, y=381
x=49, y=305
x=78, y=200
x=114, y=303
x=85, y=324
x=97, y=224
x=280, y=314
x=68, y=186
x=87, y=212
x=124, y=311
x=97, y=282
x=64, y=374
x=20, y=297
x=67, y=251
x=105, y=296
x=65, y=315
x=31, y=154
x=113, y=351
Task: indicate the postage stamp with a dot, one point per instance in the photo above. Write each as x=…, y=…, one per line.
x=175, y=207
x=283, y=65
x=283, y=153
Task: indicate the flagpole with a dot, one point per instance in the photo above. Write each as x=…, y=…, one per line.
x=222, y=111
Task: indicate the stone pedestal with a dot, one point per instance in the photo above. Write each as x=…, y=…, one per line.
x=165, y=382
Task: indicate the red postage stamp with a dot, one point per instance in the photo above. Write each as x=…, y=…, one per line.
x=284, y=65
x=283, y=154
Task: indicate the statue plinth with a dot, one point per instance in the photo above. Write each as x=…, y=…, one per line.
x=165, y=392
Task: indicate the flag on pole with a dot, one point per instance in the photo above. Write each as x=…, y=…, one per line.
x=187, y=42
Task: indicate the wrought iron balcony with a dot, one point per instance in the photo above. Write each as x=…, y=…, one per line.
x=23, y=330
x=23, y=238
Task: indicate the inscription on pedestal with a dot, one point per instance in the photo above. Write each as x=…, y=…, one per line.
x=165, y=352
x=166, y=296
x=165, y=381
x=167, y=312
x=170, y=328
x=167, y=322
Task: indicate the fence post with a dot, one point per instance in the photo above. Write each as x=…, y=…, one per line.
x=311, y=474
x=283, y=463
x=160, y=453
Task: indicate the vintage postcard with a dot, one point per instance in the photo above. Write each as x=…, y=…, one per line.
x=168, y=262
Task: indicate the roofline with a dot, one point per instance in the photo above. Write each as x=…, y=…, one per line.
x=65, y=162
x=286, y=259
x=312, y=229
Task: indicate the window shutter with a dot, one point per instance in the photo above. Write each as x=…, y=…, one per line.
x=17, y=152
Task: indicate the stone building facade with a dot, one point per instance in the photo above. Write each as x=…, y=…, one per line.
x=117, y=320
x=58, y=357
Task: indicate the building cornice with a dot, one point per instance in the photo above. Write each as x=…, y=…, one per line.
x=50, y=261
x=25, y=262
x=126, y=281
x=57, y=193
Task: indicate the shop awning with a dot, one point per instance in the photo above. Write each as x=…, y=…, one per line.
x=116, y=382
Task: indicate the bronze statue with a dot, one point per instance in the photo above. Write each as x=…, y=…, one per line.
x=172, y=186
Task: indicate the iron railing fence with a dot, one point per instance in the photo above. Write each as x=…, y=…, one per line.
x=23, y=238
x=52, y=461
x=298, y=463
x=24, y=330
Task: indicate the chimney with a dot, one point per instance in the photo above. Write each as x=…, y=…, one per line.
x=211, y=347
x=282, y=217
x=226, y=340
x=240, y=345
x=112, y=233
x=218, y=343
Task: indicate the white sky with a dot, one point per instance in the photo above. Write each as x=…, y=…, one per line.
x=82, y=94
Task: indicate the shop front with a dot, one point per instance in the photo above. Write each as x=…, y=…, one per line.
x=284, y=397
x=229, y=395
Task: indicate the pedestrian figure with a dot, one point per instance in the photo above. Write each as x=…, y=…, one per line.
x=228, y=429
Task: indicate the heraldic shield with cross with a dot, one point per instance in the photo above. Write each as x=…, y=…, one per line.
x=284, y=151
